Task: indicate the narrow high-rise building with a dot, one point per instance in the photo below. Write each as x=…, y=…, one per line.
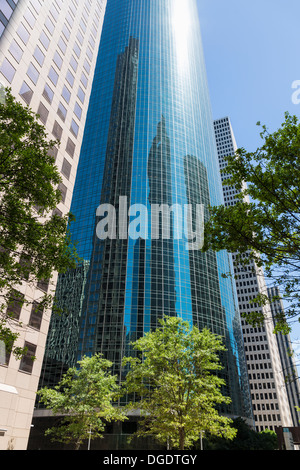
x=269, y=396
x=48, y=52
x=286, y=351
x=148, y=156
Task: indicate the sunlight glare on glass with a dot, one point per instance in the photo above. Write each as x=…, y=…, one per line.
x=181, y=27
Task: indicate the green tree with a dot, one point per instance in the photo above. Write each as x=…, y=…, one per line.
x=246, y=439
x=175, y=382
x=264, y=223
x=84, y=398
x=34, y=243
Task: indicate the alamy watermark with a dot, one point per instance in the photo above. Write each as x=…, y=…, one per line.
x=163, y=221
x=296, y=94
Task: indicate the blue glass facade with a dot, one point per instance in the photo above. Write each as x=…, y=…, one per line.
x=149, y=138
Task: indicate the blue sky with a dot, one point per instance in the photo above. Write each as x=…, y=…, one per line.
x=252, y=54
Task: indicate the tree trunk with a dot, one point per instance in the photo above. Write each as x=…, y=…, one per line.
x=181, y=438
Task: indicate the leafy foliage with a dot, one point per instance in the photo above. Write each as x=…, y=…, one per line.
x=33, y=242
x=85, y=396
x=174, y=378
x=245, y=439
x=264, y=223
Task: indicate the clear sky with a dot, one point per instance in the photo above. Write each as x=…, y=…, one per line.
x=252, y=54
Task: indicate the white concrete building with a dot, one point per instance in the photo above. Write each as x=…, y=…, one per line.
x=48, y=51
x=265, y=370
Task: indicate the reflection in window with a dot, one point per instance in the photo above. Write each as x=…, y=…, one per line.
x=39, y=55
x=6, y=9
x=66, y=168
x=53, y=75
x=76, y=49
x=78, y=111
x=74, y=63
x=66, y=94
x=74, y=128
x=49, y=25
x=48, y=93
x=36, y=316
x=62, y=112
x=7, y=70
x=66, y=32
x=62, y=45
x=30, y=18
x=70, y=78
x=57, y=60
x=57, y=130
x=32, y=73
x=44, y=40
x=43, y=113
x=23, y=33
x=70, y=148
x=63, y=191
x=15, y=303
x=84, y=79
x=26, y=93
x=28, y=360
x=81, y=94
x=16, y=51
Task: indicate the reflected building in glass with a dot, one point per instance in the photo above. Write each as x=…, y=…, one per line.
x=149, y=141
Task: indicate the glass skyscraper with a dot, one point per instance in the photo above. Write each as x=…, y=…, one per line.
x=149, y=140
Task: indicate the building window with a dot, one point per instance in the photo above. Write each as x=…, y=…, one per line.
x=81, y=94
x=84, y=79
x=66, y=32
x=62, y=112
x=39, y=56
x=53, y=75
x=66, y=168
x=49, y=25
x=62, y=45
x=26, y=93
x=57, y=130
x=23, y=33
x=43, y=113
x=53, y=152
x=16, y=51
x=70, y=78
x=48, y=93
x=43, y=285
x=4, y=354
x=36, y=316
x=30, y=18
x=8, y=70
x=57, y=60
x=63, y=190
x=66, y=94
x=74, y=63
x=70, y=148
x=74, y=128
x=15, y=303
x=33, y=73
x=6, y=9
x=27, y=361
x=78, y=111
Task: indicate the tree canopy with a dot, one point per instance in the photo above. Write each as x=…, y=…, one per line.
x=34, y=241
x=84, y=398
x=175, y=382
x=263, y=225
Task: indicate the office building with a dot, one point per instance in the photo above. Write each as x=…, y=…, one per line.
x=286, y=351
x=48, y=52
x=148, y=142
x=271, y=407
